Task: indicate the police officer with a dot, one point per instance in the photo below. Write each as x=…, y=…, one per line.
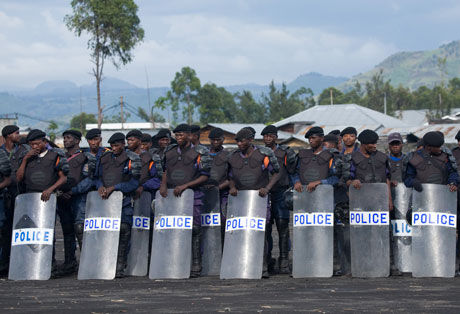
x=396, y=158
x=42, y=170
x=250, y=167
x=187, y=166
x=5, y=180
x=219, y=170
x=195, y=134
x=287, y=160
x=368, y=165
x=72, y=200
x=431, y=165
x=349, y=140
x=339, y=146
x=119, y=170
x=146, y=142
x=163, y=139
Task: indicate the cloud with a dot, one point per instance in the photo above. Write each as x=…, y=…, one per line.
x=10, y=21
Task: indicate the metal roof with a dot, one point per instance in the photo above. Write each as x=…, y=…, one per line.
x=129, y=126
x=107, y=134
x=449, y=131
x=346, y=114
x=233, y=128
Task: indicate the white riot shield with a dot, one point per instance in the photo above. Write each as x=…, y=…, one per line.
x=313, y=254
x=434, y=222
x=98, y=259
x=244, y=236
x=370, y=230
x=172, y=236
x=211, y=242
x=138, y=255
x=401, y=230
x=32, y=239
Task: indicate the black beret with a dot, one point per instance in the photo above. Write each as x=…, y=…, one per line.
x=195, y=128
x=348, y=130
x=243, y=134
x=93, y=133
x=368, y=137
x=35, y=135
x=146, y=138
x=270, y=129
x=251, y=129
x=116, y=137
x=335, y=132
x=216, y=133
x=331, y=138
x=412, y=138
x=163, y=133
x=420, y=143
x=134, y=133
x=74, y=133
x=182, y=128
x=433, y=139
x=7, y=130
x=457, y=137
x=316, y=130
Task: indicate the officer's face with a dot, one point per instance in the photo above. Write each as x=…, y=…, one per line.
x=315, y=141
x=270, y=139
x=433, y=150
x=195, y=137
x=118, y=147
x=216, y=143
x=370, y=148
x=330, y=145
x=14, y=137
x=133, y=142
x=164, y=142
x=38, y=146
x=146, y=145
x=243, y=144
x=349, y=139
x=70, y=141
x=182, y=138
x=395, y=148
x=94, y=143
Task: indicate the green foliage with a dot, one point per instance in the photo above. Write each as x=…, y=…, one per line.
x=79, y=122
x=185, y=88
x=52, y=127
x=117, y=118
x=248, y=110
x=153, y=117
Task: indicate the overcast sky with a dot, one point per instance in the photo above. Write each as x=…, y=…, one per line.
x=227, y=42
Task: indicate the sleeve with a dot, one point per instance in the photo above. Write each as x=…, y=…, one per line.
x=332, y=178
x=295, y=176
x=409, y=175
x=62, y=165
x=452, y=174
x=128, y=186
x=5, y=165
x=154, y=182
x=204, y=162
x=83, y=186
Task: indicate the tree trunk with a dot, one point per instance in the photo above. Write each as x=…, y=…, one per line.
x=99, y=107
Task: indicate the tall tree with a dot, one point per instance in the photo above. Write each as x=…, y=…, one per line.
x=211, y=104
x=114, y=30
x=249, y=110
x=185, y=88
x=79, y=122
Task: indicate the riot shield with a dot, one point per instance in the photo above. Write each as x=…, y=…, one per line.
x=172, y=236
x=32, y=239
x=434, y=222
x=369, y=231
x=401, y=230
x=313, y=233
x=140, y=232
x=211, y=241
x=244, y=236
x=98, y=259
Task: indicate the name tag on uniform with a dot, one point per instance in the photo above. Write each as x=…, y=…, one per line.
x=434, y=219
x=174, y=222
x=210, y=220
x=102, y=224
x=245, y=223
x=32, y=236
x=313, y=219
x=141, y=222
x=369, y=218
x=401, y=228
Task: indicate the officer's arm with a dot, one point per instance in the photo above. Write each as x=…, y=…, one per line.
x=127, y=187
x=409, y=176
x=224, y=185
x=6, y=182
x=22, y=168
x=60, y=181
x=452, y=174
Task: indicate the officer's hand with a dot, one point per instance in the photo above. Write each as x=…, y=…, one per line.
x=102, y=191
x=298, y=187
x=108, y=191
x=417, y=186
x=179, y=189
x=263, y=192
x=312, y=185
x=31, y=153
x=356, y=184
x=164, y=191
x=138, y=193
x=46, y=195
x=233, y=192
x=390, y=205
x=394, y=183
x=452, y=187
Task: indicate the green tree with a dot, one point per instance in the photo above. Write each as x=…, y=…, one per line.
x=51, y=130
x=248, y=110
x=152, y=117
x=184, y=89
x=325, y=96
x=376, y=91
x=114, y=30
x=79, y=122
x=116, y=118
x=211, y=104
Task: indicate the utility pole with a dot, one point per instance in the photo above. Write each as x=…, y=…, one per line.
x=121, y=112
x=148, y=97
x=332, y=98
x=81, y=114
x=385, y=103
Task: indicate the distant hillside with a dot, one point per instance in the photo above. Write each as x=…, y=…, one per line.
x=414, y=69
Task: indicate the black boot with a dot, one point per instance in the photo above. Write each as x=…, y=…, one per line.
x=79, y=235
x=283, y=231
x=265, y=273
x=123, y=248
x=196, y=252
